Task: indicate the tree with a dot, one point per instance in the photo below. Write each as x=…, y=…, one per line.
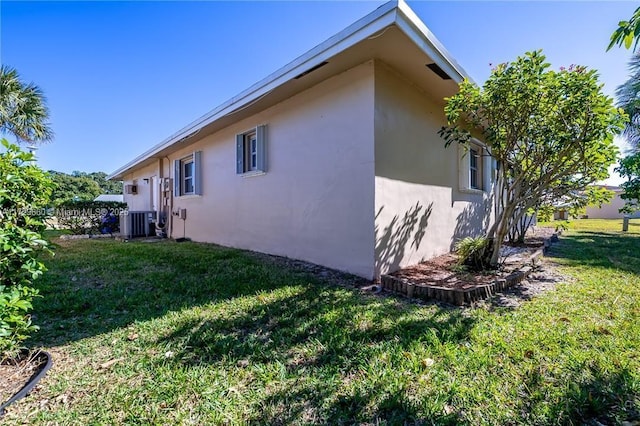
x=551, y=133
x=630, y=168
x=23, y=109
x=628, y=32
x=629, y=100
x=73, y=187
x=106, y=186
x=81, y=186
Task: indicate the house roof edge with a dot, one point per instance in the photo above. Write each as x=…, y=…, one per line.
x=395, y=12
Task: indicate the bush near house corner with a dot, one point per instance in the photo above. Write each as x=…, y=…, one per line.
x=90, y=217
x=473, y=252
x=24, y=193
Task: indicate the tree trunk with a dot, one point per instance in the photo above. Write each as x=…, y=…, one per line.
x=498, y=240
x=500, y=231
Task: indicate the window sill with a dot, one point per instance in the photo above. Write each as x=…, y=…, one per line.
x=472, y=191
x=189, y=196
x=253, y=174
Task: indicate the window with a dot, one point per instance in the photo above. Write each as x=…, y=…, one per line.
x=186, y=180
x=187, y=175
x=250, y=151
x=475, y=167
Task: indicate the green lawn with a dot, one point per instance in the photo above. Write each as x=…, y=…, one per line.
x=609, y=225
x=210, y=335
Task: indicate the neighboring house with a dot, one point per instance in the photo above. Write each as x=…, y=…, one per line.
x=562, y=209
x=610, y=210
x=333, y=159
x=110, y=197
x=561, y=213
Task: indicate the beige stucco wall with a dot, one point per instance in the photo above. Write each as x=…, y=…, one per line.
x=142, y=200
x=419, y=209
x=357, y=179
x=316, y=200
x=609, y=210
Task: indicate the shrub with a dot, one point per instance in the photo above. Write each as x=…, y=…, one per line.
x=90, y=217
x=474, y=252
x=15, y=321
x=24, y=192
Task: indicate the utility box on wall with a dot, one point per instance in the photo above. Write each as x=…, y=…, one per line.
x=131, y=189
x=166, y=184
x=180, y=213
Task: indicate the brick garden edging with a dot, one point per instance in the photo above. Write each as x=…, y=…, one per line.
x=468, y=294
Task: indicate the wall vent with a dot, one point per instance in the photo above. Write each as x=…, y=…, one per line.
x=436, y=69
x=312, y=69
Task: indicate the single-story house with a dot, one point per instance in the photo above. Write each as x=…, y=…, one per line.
x=110, y=198
x=610, y=210
x=334, y=159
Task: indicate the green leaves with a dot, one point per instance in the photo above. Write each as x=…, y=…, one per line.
x=24, y=194
x=629, y=100
x=550, y=131
x=630, y=168
x=473, y=252
x=627, y=32
x=15, y=323
x=23, y=109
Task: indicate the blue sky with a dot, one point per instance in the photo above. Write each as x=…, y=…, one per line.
x=122, y=76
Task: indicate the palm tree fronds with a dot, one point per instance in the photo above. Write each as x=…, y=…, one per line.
x=23, y=109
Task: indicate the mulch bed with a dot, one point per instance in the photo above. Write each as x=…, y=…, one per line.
x=521, y=276
x=442, y=271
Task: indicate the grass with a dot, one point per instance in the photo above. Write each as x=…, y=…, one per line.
x=607, y=225
x=202, y=334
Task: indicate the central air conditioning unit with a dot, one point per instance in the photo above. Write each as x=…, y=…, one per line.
x=137, y=224
x=131, y=189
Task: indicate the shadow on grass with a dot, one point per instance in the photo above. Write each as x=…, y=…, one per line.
x=317, y=333
x=259, y=312
x=607, y=397
x=594, y=396
x=96, y=286
x=312, y=351
x=295, y=406
x=265, y=332
x=586, y=248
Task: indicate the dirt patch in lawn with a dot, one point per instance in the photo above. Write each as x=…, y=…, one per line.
x=543, y=279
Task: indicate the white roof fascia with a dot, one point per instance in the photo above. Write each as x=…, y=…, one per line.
x=417, y=31
x=374, y=22
x=394, y=12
